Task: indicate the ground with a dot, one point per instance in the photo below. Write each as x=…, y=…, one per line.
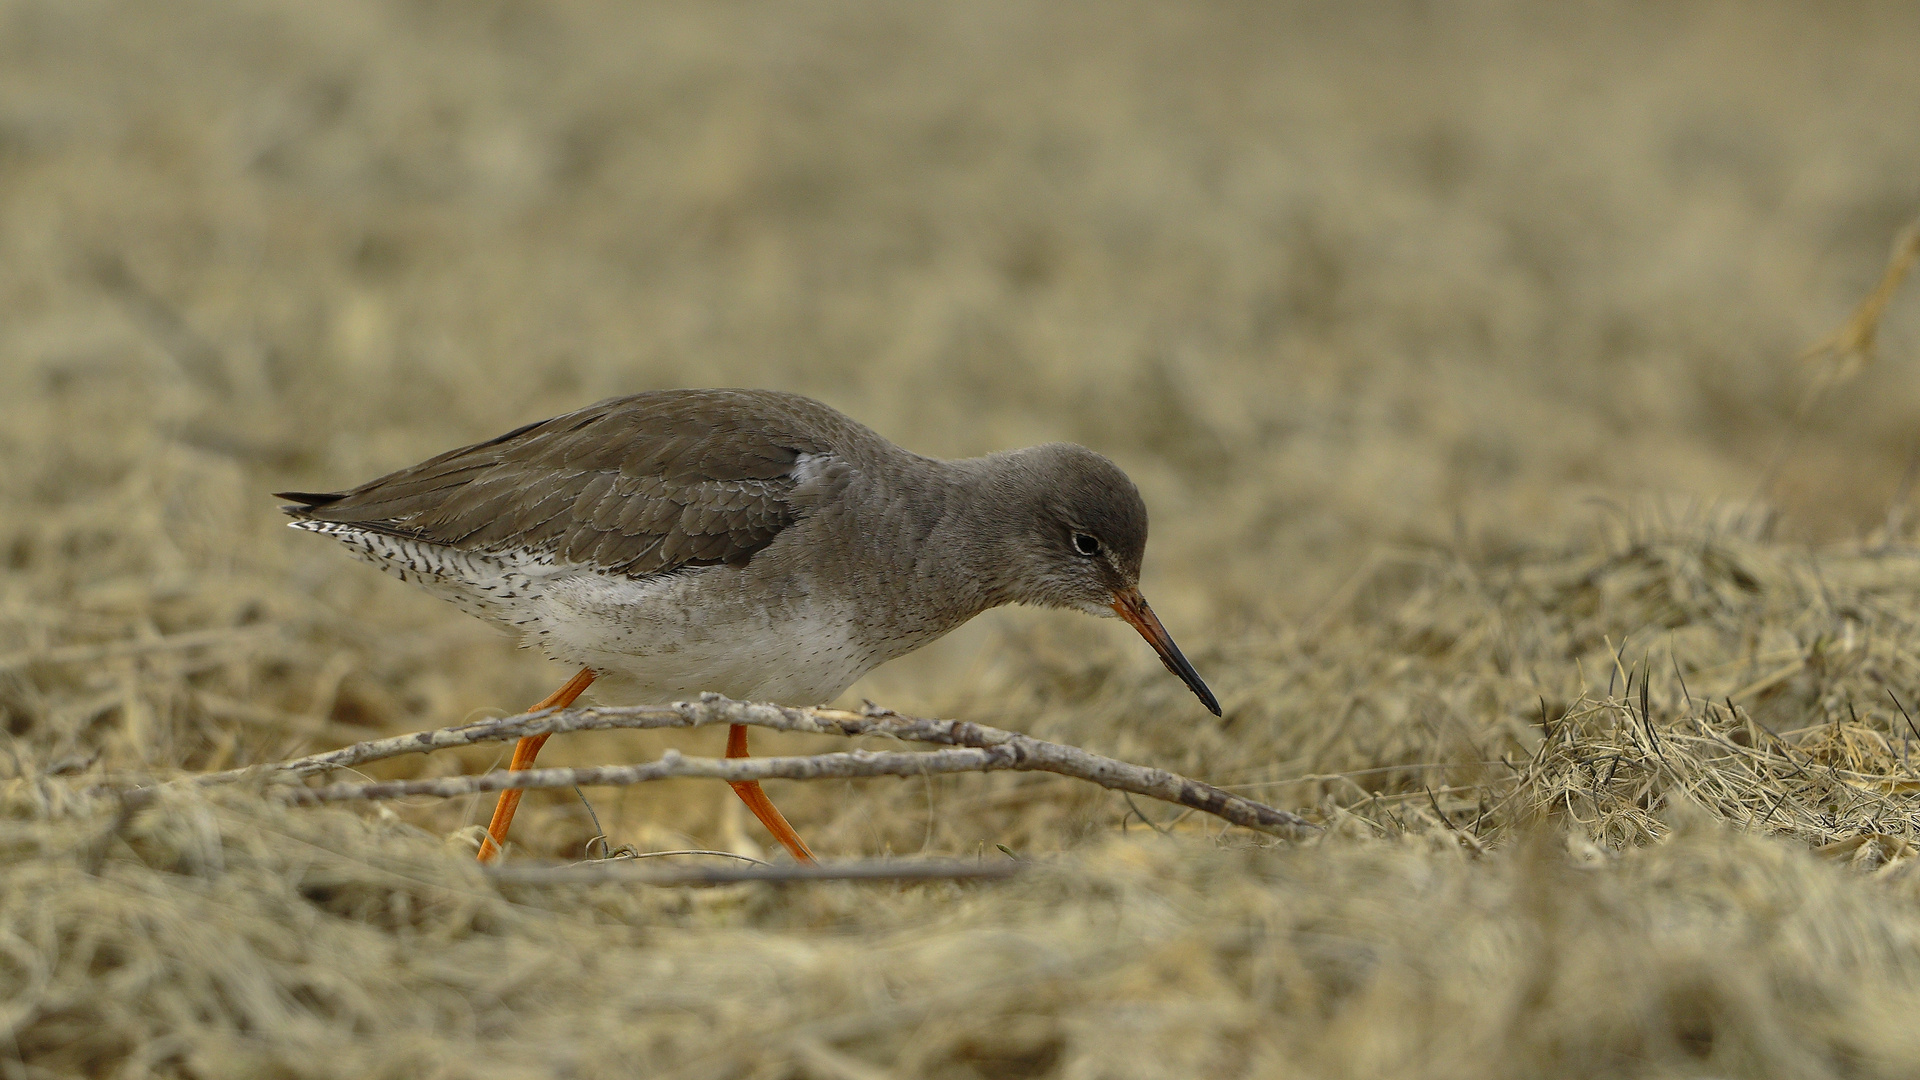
x=1456, y=348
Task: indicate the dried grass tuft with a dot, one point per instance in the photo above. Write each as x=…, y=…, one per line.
x=1402, y=317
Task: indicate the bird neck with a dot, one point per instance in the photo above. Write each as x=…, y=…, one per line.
x=984, y=526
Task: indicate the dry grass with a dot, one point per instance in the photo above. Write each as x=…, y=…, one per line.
x=1452, y=346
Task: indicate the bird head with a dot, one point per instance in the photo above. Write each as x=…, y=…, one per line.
x=1079, y=532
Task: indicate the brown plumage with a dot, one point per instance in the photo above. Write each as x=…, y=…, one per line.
x=754, y=543
x=747, y=541
x=636, y=485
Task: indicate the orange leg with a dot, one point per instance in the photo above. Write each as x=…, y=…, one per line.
x=524, y=752
x=757, y=801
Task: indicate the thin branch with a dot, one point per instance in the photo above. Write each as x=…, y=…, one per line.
x=631, y=854
x=1019, y=753
x=625, y=872
x=711, y=709
x=1013, y=751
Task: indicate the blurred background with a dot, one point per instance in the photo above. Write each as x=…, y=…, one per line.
x=1376, y=302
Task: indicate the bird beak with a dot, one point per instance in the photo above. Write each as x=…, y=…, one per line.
x=1131, y=606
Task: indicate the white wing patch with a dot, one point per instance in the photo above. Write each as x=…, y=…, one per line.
x=810, y=467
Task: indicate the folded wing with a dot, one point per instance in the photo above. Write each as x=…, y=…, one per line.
x=639, y=485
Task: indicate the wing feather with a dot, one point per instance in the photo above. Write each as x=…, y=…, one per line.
x=640, y=485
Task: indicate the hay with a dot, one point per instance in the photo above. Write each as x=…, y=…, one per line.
x=1434, y=931
x=1449, y=345
x=217, y=934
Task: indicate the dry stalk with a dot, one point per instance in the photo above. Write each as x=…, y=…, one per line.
x=974, y=748
x=630, y=872
x=1852, y=344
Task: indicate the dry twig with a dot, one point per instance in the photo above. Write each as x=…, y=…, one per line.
x=630, y=872
x=1852, y=344
x=976, y=748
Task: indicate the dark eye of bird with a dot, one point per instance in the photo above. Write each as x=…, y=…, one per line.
x=1086, y=545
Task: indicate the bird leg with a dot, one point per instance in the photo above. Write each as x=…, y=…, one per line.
x=528, y=748
x=762, y=807
x=524, y=752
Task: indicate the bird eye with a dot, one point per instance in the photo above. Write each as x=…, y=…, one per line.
x=1086, y=545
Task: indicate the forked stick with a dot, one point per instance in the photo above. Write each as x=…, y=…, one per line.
x=978, y=748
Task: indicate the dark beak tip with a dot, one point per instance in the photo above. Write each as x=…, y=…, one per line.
x=1202, y=691
x=1194, y=683
x=1134, y=609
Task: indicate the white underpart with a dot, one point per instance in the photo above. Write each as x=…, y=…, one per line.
x=659, y=638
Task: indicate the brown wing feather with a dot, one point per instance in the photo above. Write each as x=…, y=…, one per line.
x=637, y=485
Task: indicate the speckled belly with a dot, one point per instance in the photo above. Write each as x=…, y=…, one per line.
x=653, y=639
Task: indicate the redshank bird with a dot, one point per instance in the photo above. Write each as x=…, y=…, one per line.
x=750, y=542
